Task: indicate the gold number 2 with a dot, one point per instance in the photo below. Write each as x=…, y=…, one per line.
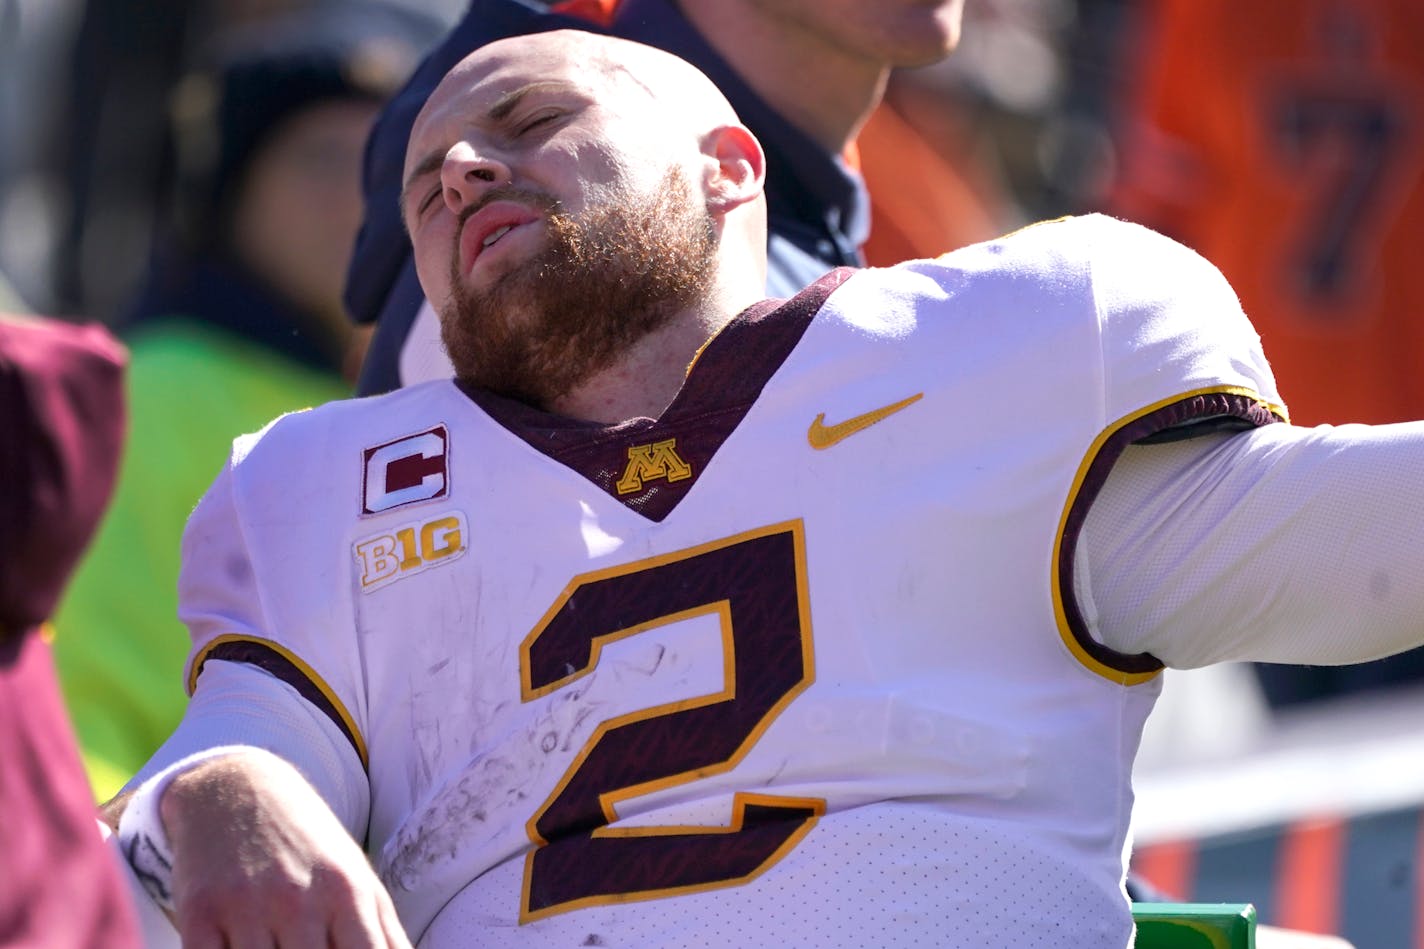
x=756, y=584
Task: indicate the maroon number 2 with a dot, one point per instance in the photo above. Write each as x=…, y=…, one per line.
x=756, y=583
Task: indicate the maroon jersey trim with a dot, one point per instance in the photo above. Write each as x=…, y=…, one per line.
x=720, y=389
x=1195, y=414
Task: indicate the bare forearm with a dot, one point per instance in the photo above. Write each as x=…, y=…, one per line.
x=257, y=857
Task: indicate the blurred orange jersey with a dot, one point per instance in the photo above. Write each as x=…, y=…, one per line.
x=1284, y=141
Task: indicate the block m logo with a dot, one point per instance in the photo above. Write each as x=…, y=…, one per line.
x=649, y=462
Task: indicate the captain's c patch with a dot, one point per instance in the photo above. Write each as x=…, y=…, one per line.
x=409, y=549
x=406, y=471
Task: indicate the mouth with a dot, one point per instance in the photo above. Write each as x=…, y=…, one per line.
x=485, y=230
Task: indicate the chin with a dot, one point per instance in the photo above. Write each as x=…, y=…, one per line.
x=923, y=38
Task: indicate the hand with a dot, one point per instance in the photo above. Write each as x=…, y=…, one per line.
x=259, y=860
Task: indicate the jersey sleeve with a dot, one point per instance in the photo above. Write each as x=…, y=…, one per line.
x=1283, y=544
x=240, y=704
x=1177, y=358
x=252, y=590
x=219, y=592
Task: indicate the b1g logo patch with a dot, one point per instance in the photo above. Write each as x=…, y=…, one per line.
x=410, y=549
x=406, y=471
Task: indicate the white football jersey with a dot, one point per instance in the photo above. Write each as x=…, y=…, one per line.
x=798, y=663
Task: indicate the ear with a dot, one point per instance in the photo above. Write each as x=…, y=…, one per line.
x=735, y=170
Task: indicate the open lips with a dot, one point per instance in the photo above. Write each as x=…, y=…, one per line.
x=488, y=226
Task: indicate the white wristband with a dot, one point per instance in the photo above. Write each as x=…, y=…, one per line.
x=142, y=836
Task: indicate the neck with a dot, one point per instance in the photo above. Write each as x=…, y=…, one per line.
x=645, y=380
x=824, y=90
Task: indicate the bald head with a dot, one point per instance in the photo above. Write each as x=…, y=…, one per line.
x=670, y=97
x=671, y=84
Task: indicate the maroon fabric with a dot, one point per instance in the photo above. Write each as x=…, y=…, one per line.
x=61, y=425
x=59, y=885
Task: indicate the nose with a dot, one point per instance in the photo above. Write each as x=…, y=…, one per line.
x=467, y=174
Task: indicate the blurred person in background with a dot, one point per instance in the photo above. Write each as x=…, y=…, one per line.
x=86, y=133
x=934, y=180
x=94, y=170
x=240, y=319
x=1302, y=178
x=61, y=398
x=951, y=155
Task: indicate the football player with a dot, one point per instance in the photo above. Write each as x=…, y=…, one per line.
x=684, y=617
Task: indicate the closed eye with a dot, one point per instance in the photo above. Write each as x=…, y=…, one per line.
x=427, y=201
x=535, y=121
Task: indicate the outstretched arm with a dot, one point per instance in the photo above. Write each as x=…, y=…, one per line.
x=1281, y=544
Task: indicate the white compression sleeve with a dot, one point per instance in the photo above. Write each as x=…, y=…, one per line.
x=1281, y=544
x=240, y=704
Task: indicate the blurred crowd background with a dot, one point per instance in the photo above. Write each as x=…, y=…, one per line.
x=90, y=94
x=148, y=167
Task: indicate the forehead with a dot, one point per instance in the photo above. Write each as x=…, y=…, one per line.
x=504, y=65
x=503, y=81
x=479, y=85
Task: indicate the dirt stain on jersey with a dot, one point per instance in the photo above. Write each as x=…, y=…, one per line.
x=477, y=815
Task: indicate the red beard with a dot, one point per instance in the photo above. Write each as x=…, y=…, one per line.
x=605, y=279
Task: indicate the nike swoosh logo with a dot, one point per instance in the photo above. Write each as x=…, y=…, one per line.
x=823, y=436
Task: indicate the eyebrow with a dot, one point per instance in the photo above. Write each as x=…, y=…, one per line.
x=503, y=107
x=508, y=102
